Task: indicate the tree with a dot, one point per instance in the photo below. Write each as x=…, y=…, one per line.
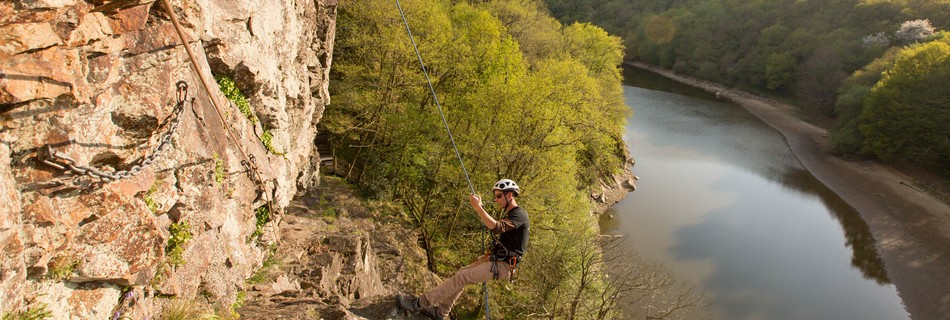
x=818, y=80
x=907, y=111
x=845, y=135
x=780, y=70
x=914, y=31
x=549, y=115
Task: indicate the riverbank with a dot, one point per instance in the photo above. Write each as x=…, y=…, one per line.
x=911, y=228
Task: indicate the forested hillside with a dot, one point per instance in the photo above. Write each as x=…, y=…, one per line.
x=878, y=66
x=527, y=98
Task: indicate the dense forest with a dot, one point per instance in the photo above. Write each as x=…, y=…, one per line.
x=527, y=98
x=879, y=67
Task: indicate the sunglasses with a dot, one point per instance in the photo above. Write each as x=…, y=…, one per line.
x=499, y=195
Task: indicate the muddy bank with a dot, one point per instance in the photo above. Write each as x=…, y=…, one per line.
x=911, y=228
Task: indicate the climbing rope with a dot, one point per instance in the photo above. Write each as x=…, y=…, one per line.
x=449, y=131
x=249, y=161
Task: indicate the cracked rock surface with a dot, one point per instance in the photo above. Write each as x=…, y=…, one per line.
x=95, y=81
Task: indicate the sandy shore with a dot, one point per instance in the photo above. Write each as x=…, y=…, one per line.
x=911, y=228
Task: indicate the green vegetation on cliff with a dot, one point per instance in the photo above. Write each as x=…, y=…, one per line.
x=526, y=98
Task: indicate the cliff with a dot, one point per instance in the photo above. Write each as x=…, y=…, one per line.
x=192, y=209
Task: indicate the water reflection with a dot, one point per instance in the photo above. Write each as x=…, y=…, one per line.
x=749, y=143
x=856, y=230
x=724, y=202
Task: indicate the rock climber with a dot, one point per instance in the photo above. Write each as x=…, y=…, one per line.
x=499, y=263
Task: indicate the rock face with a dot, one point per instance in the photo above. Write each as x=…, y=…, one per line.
x=95, y=82
x=339, y=257
x=615, y=189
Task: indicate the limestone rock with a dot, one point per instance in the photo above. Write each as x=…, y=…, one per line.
x=614, y=190
x=630, y=184
x=22, y=37
x=12, y=269
x=121, y=247
x=40, y=75
x=349, y=268
x=78, y=301
x=98, y=85
x=282, y=285
x=46, y=4
x=94, y=26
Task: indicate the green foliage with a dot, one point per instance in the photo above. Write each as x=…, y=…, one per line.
x=806, y=49
x=267, y=138
x=329, y=214
x=266, y=272
x=218, y=169
x=61, y=268
x=845, y=136
x=906, y=114
x=231, y=91
x=262, y=216
x=180, y=234
x=149, y=197
x=780, y=70
x=526, y=98
x=239, y=300
x=180, y=309
x=35, y=312
x=750, y=43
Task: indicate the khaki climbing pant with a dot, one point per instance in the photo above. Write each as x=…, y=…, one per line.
x=444, y=295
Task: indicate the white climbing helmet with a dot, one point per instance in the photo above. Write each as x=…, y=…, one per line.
x=507, y=185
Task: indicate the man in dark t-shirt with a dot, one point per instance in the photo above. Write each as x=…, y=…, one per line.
x=500, y=264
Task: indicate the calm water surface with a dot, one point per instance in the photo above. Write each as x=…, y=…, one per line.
x=724, y=203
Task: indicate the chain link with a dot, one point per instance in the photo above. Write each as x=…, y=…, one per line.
x=60, y=161
x=251, y=166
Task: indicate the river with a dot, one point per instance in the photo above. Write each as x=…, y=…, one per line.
x=724, y=203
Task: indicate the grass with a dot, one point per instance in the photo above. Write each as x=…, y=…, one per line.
x=239, y=300
x=61, y=268
x=36, y=312
x=329, y=214
x=180, y=309
x=263, y=274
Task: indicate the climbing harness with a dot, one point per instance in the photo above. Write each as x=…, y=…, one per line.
x=61, y=161
x=451, y=138
x=501, y=253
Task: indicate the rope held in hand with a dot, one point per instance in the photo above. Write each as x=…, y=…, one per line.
x=449, y=131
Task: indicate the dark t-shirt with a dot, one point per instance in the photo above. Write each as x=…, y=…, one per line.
x=514, y=231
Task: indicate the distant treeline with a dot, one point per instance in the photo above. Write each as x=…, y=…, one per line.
x=880, y=67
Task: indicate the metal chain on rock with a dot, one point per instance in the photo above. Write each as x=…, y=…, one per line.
x=61, y=161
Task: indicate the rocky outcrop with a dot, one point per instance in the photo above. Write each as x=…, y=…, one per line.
x=615, y=189
x=95, y=82
x=339, y=258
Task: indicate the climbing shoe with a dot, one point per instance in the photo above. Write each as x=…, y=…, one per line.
x=433, y=313
x=407, y=302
